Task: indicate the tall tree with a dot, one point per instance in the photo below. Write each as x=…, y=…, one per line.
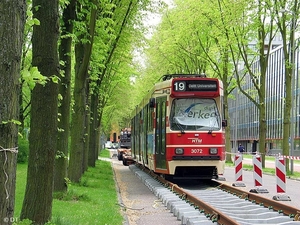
x=261, y=29
x=12, y=17
x=37, y=204
x=218, y=14
x=83, y=49
x=287, y=17
x=106, y=69
x=65, y=53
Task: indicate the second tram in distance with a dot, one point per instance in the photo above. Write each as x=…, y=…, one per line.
x=177, y=130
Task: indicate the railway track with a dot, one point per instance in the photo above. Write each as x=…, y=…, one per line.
x=216, y=203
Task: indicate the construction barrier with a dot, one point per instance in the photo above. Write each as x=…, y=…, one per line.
x=238, y=162
x=280, y=180
x=257, y=175
x=291, y=157
x=257, y=170
x=280, y=175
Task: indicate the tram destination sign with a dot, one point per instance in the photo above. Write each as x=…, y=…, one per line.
x=195, y=85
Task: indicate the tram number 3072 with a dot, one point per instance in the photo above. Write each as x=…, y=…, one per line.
x=196, y=150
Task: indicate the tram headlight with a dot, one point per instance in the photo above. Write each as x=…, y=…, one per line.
x=179, y=151
x=213, y=151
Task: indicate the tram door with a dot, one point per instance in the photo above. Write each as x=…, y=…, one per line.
x=160, y=133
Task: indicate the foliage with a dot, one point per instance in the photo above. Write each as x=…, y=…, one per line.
x=23, y=222
x=33, y=76
x=23, y=150
x=120, y=32
x=70, y=195
x=60, y=154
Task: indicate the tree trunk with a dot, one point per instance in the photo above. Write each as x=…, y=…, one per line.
x=61, y=161
x=98, y=141
x=288, y=96
x=225, y=60
x=37, y=204
x=78, y=120
x=262, y=103
x=287, y=113
x=262, y=132
x=87, y=129
x=93, y=138
x=12, y=17
x=78, y=129
x=227, y=128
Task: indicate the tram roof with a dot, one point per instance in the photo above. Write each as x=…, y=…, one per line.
x=170, y=76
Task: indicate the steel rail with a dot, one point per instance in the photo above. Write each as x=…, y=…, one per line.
x=214, y=214
x=261, y=200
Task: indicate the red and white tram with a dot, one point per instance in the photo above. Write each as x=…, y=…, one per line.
x=178, y=131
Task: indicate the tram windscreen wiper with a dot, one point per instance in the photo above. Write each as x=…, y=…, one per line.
x=179, y=125
x=213, y=126
x=214, y=122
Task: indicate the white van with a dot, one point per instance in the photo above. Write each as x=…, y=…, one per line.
x=108, y=144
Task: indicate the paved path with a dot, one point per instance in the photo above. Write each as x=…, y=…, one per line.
x=141, y=206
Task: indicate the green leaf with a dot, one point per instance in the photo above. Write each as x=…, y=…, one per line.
x=32, y=77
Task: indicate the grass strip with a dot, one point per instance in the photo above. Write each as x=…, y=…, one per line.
x=92, y=201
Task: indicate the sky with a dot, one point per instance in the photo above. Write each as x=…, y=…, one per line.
x=153, y=19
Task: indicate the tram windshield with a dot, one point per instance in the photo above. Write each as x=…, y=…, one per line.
x=195, y=114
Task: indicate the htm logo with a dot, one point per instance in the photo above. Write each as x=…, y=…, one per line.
x=196, y=140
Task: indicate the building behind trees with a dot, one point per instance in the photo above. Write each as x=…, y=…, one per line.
x=244, y=114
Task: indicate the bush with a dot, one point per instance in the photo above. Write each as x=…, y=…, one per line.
x=23, y=150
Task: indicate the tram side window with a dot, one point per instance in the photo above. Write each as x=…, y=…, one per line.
x=150, y=111
x=136, y=133
x=145, y=119
x=141, y=117
x=133, y=131
x=195, y=114
x=163, y=126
